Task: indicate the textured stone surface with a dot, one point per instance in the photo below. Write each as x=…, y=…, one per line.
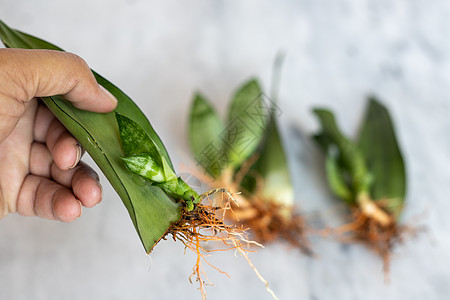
x=337, y=52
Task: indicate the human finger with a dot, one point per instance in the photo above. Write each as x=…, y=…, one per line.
x=65, y=149
x=44, y=118
x=42, y=197
x=42, y=73
x=40, y=160
x=83, y=181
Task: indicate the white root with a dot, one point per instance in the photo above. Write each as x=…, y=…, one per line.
x=260, y=277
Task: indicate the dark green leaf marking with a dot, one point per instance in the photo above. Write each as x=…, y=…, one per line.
x=144, y=159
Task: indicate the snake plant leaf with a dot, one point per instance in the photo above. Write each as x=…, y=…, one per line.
x=330, y=133
x=350, y=158
x=146, y=166
x=272, y=165
x=150, y=209
x=247, y=118
x=328, y=139
x=377, y=141
x=145, y=160
x=336, y=177
x=205, y=130
x=136, y=141
x=332, y=141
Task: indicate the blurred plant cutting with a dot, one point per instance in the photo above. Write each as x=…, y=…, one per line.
x=246, y=154
x=369, y=175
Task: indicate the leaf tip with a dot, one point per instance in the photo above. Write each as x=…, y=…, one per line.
x=253, y=81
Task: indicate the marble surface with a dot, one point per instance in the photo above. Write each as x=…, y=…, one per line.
x=337, y=53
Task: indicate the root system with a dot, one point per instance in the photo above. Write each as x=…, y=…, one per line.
x=270, y=222
x=205, y=224
x=380, y=238
x=267, y=220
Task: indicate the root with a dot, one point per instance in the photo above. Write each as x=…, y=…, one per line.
x=373, y=211
x=380, y=238
x=268, y=224
x=266, y=283
x=267, y=220
x=203, y=225
x=219, y=190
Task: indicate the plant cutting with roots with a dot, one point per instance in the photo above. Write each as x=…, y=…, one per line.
x=201, y=221
x=369, y=175
x=133, y=158
x=246, y=154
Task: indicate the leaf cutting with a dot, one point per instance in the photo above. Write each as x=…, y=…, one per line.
x=369, y=175
x=150, y=209
x=246, y=154
x=134, y=160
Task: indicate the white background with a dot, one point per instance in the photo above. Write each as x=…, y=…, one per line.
x=337, y=53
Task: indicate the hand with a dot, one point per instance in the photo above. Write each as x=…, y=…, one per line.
x=40, y=172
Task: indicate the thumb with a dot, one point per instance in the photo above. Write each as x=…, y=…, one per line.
x=26, y=74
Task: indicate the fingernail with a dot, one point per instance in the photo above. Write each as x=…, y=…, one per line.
x=81, y=209
x=79, y=151
x=108, y=94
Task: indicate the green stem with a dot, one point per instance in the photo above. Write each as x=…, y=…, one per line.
x=179, y=189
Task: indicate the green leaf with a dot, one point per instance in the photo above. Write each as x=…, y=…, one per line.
x=145, y=160
x=330, y=131
x=348, y=158
x=205, y=130
x=145, y=166
x=336, y=177
x=247, y=118
x=378, y=143
x=135, y=140
x=272, y=166
x=150, y=209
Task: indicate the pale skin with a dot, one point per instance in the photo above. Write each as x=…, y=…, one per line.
x=40, y=169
